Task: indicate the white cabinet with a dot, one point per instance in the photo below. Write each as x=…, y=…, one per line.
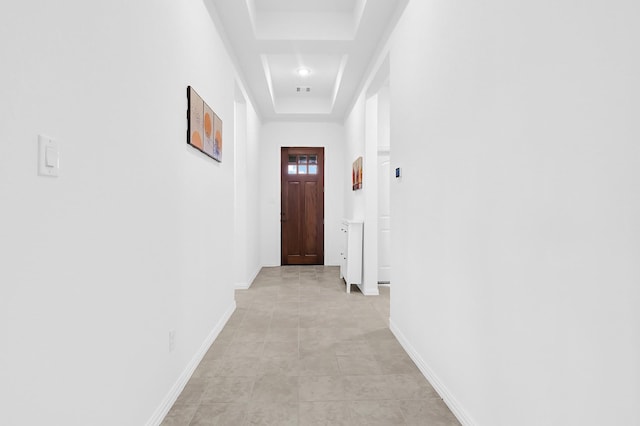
x=351, y=253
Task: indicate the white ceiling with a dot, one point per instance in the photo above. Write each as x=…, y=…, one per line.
x=306, y=5
x=335, y=39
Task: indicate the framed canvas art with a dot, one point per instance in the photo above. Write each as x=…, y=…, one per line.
x=217, y=134
x=195, y=122
x=356, y=174
x=208, y=131
x=204, y=127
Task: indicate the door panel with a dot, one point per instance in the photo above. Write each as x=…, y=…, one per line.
x=293, y=218
x=302, y=216
x=311, y=218
x=384, y=218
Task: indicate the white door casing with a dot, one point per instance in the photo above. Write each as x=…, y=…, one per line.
x=384, y=217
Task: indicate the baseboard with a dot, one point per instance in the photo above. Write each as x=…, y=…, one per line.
x=247, y=285
x=372, y=292
x=453, y=404
x=160, y=413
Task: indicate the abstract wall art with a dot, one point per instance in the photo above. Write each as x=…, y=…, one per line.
x=356, y=174
x=217, y=138
x=204, y=127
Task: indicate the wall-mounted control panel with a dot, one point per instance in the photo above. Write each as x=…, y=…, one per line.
x=48, y=156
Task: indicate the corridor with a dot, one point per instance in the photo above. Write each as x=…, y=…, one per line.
x=300, y=351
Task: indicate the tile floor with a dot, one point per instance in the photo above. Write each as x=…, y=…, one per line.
x=300, y=351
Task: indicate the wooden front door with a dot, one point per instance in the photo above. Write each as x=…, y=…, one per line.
x=302, y=214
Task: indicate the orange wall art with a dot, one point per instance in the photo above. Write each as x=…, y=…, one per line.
x=204, y=127
x=356, y=174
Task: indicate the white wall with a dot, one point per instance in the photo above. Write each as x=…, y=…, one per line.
x=364, y=135
x=517, y=220
x=385, y=175
x=384, y=117
x=370, y=190
x=275, y=135
x=355, y=126
x=246, y=234
x=132, y=240
x=240, y=192
x=254, y=128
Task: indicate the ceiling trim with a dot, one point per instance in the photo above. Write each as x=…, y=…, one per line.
x=336, y=89
x=267, y=75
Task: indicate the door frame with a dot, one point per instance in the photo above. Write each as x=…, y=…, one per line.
x=302, y=150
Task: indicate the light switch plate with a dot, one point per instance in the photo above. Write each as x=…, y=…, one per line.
x=51, y=155
x=48, y=156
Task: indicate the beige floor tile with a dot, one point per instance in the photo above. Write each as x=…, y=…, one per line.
x=332, y=334
x=289, y=296
x=351, y=332
x=319, y=365
x=240, y=366
x=386, y=347
x=207, y=368
x=317, y=348
x=280, y=348
x=428, y=413
x=219, y=415
x=313, y=305
x=228, y=389
x=243, y=297
x=276, y=389
x=300, y=350
x=226, y=335
x=192, y=392
x=352, y=348
x=323, y=413
x=270, y=414
x=288, y=365
x=321, y=388
x=256, y=322
x=282, y=334
x=180, y=415
x=362, y=388
x=247, y=336
x=316, y=333
x=217, y=349
x=240, y=348
x=397, y=364
x=371, y=322
x=410, y=386
x=284, y=320
x=378, y=334
x=376, y=413
x=234, y=321
x=361, y=364
x=287, y=308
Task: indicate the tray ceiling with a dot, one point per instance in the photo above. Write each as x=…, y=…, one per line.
x=335, y=40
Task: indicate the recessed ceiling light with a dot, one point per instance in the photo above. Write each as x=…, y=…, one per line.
x=303, y=72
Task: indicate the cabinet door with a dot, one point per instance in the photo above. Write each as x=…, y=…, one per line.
x=353, y=253
x=343, y=251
